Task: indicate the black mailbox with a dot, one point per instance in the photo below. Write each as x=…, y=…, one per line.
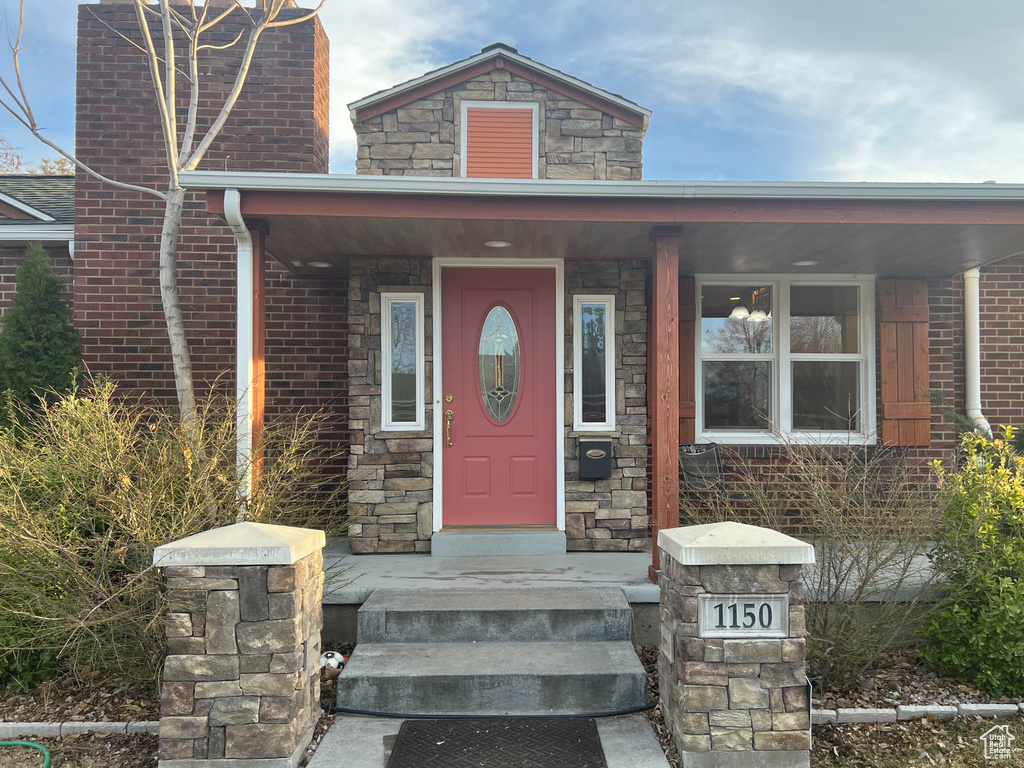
x=595, y=457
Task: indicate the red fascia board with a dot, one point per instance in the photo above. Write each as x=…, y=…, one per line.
x=650, y=210
x=423, y=90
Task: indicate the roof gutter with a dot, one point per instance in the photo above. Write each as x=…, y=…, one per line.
x=697, y=190
x=43, y=233
x=972, y=349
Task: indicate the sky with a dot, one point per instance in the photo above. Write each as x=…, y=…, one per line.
x=781, y=90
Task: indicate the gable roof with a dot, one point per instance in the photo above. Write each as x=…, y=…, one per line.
x=38, y=198
x=37, y=208
x=500, y=56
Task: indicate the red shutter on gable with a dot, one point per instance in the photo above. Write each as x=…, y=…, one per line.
x=499, y=143
x=906, y=410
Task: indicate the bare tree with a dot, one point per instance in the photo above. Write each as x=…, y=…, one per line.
x=10, y=160
x=188, y=27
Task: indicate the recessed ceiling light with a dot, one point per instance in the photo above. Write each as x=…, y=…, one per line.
x=497, y=243
x=319, y=264
x=734, y=298
x=808, y=263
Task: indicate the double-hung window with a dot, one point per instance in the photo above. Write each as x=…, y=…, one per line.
x=402, y=379
x=785, y=355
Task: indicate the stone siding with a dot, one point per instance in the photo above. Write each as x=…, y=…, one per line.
x=423, y=138
x=724, y=696
x=611, y=514
x=242, y=675
x=391, y=474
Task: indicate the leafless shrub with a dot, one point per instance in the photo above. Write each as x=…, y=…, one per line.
x=869, y=515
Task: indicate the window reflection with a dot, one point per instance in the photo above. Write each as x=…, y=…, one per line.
x=593, y=319
x=736, y=319
x=403, y=361
x=737, y=395
x=824, y=319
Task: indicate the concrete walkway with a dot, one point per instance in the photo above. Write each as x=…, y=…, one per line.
x=365, y=742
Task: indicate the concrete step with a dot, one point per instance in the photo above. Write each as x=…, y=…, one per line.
x=494, y=615
x=523, y=678
x=496, y=543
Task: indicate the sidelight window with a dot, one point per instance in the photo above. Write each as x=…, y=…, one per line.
x=593, y=363
x=402, y=379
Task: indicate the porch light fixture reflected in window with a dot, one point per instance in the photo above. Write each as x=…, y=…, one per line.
x=497, y=243
x=739, y=312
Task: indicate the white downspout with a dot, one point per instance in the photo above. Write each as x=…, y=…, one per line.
x=972, y=348
x=245, y=370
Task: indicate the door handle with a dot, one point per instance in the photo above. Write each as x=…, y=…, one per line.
x=449, y=417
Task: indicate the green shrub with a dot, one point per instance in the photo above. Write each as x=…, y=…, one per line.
x=978, y=633
x=89, y=486
x=40, y=353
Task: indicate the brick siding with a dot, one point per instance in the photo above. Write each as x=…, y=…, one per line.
x=279, y=124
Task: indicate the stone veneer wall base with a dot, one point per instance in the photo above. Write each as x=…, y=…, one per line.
x=241, y=683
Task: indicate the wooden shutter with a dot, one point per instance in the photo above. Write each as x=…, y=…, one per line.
x=499, y=143
x=906, y=409
x=687, y=366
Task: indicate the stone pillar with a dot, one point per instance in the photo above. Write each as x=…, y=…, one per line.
x=732, y=661
x=241, y=684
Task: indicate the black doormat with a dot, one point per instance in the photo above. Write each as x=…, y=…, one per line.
x=499, y=743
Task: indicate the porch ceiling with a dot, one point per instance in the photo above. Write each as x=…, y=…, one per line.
x=704, y=248
x=881, y=229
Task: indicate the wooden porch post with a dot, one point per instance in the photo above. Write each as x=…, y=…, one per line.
x=663, y=385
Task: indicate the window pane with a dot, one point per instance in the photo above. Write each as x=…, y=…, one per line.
x=826, y=395
x=737, y=394
x=736, y=319
x=823, y=319
x=593, y=337
x=499, y=363
x=403, y=361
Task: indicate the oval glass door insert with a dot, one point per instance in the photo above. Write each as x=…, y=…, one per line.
x=499, y=363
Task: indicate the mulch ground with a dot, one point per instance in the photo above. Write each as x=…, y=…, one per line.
x=897, y=680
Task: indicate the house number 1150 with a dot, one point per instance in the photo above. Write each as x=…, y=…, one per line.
x=743, y=615
x=763, y=618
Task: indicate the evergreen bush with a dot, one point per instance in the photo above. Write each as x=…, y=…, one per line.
x=40, y=352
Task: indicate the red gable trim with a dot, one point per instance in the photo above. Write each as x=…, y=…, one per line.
x=431, y=87
x=10, y=212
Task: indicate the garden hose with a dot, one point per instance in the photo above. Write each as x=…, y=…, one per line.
x=31, y=744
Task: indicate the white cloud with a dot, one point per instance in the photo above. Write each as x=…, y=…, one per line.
x=377, y=45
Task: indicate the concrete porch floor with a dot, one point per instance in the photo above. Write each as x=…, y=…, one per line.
x=352, y=578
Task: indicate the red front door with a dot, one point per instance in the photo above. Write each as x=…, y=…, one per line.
x=498, y=390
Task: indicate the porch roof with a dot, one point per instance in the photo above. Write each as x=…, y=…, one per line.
x=725, y=227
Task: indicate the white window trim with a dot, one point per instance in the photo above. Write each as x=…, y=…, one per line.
x=578, y=424
x=531, y=105
x=387, y=424
x=782, y=363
